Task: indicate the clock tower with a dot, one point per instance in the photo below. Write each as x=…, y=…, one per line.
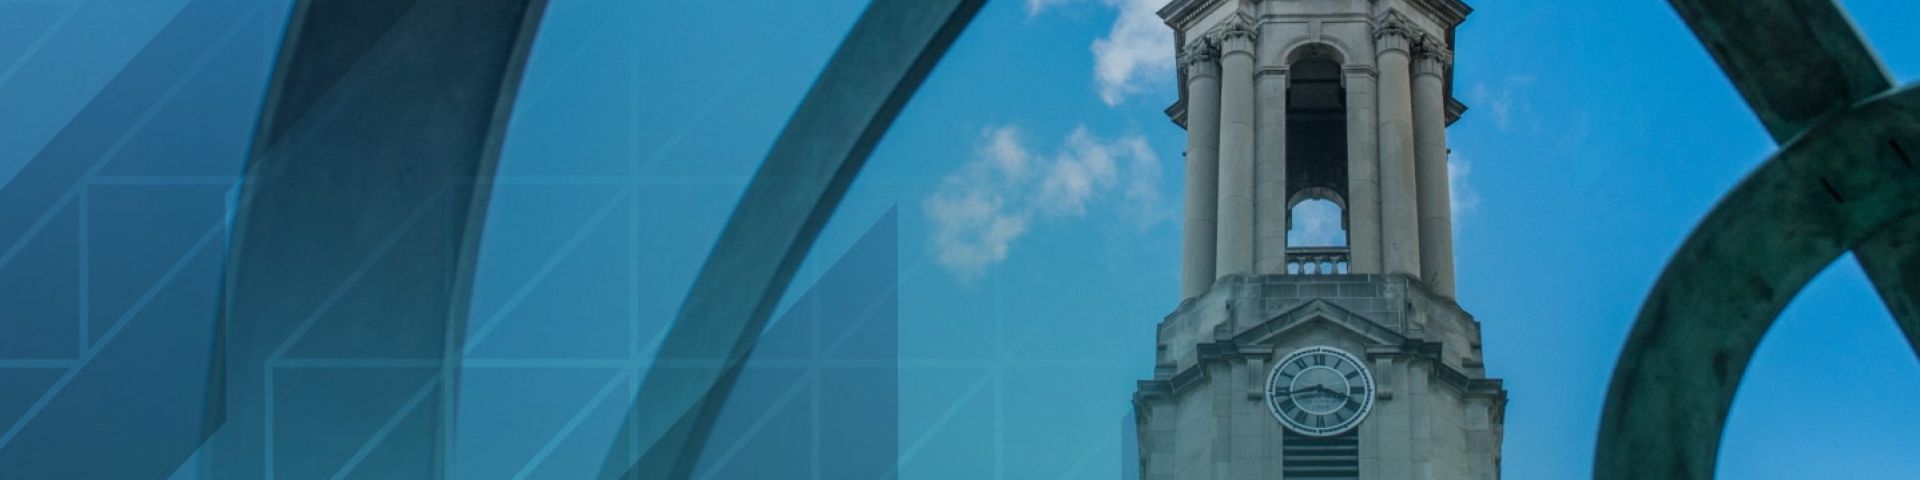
x=1345, y=355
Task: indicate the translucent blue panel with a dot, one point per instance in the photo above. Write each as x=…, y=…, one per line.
x=636, y=129
x=1027, y=307
x=127, y=123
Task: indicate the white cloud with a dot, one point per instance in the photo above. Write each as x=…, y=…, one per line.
x=1137, y=52
x=1503, y=100
x=1085, y=166
x=982, y=209
x=1143, y=198
x=1034, y=7
x=1135, y=55
x=1462, y=195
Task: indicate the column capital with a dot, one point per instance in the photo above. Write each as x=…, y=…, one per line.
x=1236, y=37
x=1431, y=57
x=1393, y=32
x=1201, y=58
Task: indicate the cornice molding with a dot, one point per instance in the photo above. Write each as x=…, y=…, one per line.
x=1450, y=13
x=1179, y=12
x=1177, y=112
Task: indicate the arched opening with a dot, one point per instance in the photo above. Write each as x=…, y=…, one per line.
x=1316, y=223
x=1316, y=236
x=1316, y=131
x=1316, y=124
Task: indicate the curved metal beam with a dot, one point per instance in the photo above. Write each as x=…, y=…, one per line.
x=1846, y=179
x=355, y=235
x=868, y=81
x=1832, y=189
x=1796, y=62
x=1892, y=261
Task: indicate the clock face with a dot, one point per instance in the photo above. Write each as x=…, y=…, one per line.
x=1320, y=391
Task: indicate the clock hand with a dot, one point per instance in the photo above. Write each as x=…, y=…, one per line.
x=1334, y=393
x=1315, y=390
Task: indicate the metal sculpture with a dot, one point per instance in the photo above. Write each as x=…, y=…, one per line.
x=1847, y=178
x=355, y=235
x=868, y=81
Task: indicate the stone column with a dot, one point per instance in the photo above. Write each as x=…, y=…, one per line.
x=1363, y=172
x=1202, y=62
x=1235, y=251
x=1270, y=146
x=1399, y=206
x=1430, y=140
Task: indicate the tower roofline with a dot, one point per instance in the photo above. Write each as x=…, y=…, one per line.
x=1177, y=14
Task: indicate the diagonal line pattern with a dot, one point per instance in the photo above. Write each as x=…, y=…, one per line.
x=607, y=24
x=333, y=298
x=119, y=324
x=579, y=417
x=419, y=396
x=546, y=269
x=1087, y=458
x=379, y=252
x=939, y=423
x=165, y=98
x=38, y=43
x=811, y=378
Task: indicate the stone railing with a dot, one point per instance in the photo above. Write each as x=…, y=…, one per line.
x=1317, y=260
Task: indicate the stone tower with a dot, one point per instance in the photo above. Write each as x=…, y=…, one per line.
x=1344, y=361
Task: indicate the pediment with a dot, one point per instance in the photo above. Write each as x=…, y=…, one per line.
x=1317, y=311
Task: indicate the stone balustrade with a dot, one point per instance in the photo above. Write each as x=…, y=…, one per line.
x=1318, y=260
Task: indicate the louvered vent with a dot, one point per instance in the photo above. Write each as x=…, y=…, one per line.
x=1335, y=457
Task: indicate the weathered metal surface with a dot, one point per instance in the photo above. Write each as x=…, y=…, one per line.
x=1892, y=260
x=1824, y=193
x=1847, y=178
x=868, y=81
x=1797, y=62
x=355, y=234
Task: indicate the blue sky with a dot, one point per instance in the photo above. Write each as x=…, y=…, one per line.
x=1599, y=133
x=1037, y=183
